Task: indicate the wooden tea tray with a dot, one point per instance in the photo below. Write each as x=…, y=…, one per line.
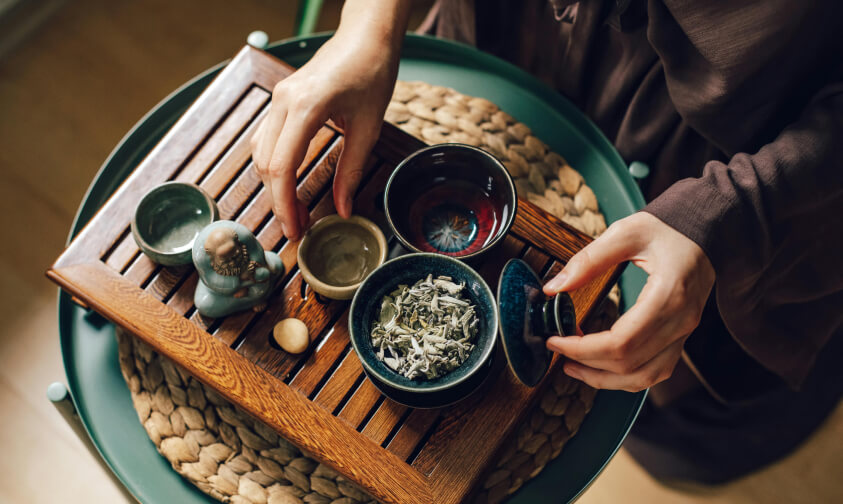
x=321, y=400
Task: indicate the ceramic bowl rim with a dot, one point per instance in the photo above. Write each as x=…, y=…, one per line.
x=346, y=290
x=141, y=240
x=483, y=153
x=492, y=325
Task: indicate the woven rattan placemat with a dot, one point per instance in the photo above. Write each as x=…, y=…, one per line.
x=233, y=458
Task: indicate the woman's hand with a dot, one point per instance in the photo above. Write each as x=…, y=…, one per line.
x=349, y=80
x=643, y=346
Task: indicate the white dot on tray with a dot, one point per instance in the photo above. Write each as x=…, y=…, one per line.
x=258, y=39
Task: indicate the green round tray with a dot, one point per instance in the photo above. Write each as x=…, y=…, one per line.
x=89, y=348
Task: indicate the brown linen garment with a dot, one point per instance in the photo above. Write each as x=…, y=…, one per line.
x=738, y=109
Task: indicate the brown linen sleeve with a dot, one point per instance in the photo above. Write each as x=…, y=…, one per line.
x=772, y=225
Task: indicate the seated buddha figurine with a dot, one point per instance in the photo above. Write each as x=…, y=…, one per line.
x=234, y=270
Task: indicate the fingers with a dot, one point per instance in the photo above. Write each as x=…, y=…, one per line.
x=652, y=372
x=661, y=316
x=265, y=138
x=639, y=322
x=298, y=129
x=619, y=243
x=359, y=139
x=658, y=319
x=258, y=159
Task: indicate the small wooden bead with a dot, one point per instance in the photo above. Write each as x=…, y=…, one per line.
x=291, y=335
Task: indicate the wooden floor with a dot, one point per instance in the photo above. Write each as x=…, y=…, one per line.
x=67, y=96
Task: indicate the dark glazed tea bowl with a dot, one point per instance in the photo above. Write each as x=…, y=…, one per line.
x=168, y=219
x=450, y=199
x=365, y=310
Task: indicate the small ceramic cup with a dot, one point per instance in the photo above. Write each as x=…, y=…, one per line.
x=168, y=219
x=336, y=255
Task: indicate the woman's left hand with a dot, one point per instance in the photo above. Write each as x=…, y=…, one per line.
x=643, y=346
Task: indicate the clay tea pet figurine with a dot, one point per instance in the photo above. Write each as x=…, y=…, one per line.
x=235, y=271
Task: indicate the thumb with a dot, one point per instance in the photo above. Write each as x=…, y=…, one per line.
x=619, y=243
x=359, y=140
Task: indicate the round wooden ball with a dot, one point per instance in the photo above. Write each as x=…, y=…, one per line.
x=291, y=335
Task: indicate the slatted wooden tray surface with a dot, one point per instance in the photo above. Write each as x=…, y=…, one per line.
x=321, y=400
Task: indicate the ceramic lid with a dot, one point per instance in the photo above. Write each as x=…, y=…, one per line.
x=527, y=318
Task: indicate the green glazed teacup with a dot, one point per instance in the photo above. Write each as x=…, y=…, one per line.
x=168, y=219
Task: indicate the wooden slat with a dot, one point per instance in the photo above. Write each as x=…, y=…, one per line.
x=454, y=418
x=324, y=359
x=244, y=114
x=361, y=403
x=469, y=453
x=162, y=284
x=182, y=300
x=412, y=431
x=394, y=145
x=538, y=261
x=337, y=387
x=125, y=250
x=384, y=420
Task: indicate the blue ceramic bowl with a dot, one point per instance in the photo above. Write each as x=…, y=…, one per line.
x=450, y=199
x=365, y=308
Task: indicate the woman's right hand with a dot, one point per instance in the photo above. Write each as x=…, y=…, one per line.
x=350, y=81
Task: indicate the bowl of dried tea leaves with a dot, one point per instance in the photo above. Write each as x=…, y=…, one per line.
x=424, y=327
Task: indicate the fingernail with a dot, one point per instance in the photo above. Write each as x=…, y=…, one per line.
x=558, y=282
x=284, y=230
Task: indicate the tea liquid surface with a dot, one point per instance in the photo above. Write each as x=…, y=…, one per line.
x=454, y=218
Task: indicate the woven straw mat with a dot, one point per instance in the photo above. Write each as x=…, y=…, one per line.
x=234, y=458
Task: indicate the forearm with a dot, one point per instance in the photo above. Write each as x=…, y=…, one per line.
x=381, y=23
x=770, y=224
x=759, y=200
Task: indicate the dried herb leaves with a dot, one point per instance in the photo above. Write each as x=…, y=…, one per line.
x=426, y=330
